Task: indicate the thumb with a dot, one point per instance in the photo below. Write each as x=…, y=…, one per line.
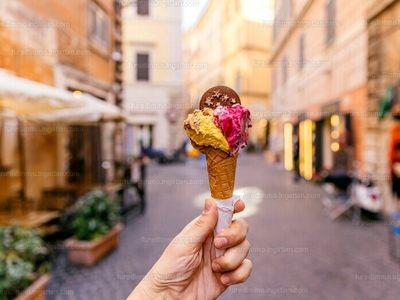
x=198, y=230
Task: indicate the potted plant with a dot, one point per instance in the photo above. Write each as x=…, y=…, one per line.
x=251, y=148
x=23, y=264
x=96, y=229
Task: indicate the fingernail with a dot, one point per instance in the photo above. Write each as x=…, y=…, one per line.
x=225, y=280
x=216, y=267
x=207, y=206
x=220, y=242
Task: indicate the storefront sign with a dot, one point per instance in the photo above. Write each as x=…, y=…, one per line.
x=332, y=108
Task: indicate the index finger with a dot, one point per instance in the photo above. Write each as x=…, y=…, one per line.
x=239, y=206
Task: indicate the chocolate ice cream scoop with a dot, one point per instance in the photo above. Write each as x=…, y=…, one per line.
x=219, y=95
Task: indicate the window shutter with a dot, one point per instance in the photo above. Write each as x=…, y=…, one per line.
x=142, y=69
x=143, y=7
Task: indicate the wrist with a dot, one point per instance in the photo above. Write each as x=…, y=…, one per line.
x=141, y=292
x=148, y=290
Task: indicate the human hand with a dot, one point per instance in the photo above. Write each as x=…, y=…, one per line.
x=188, y=268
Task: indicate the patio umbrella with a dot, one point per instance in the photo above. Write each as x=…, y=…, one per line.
x=30, y=101
x=24, y=96
x=92, y=110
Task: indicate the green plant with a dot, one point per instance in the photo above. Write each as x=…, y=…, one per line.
x=250, y=147
x=23, y=259
x=94, y=216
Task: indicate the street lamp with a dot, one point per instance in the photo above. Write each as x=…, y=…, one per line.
x=172, y=115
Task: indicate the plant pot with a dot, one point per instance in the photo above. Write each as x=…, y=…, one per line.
x=90, y=252
x=36, y=291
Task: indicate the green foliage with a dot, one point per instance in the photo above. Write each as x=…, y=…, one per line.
x=95, y=215
x=250, y=147
x=22, y=260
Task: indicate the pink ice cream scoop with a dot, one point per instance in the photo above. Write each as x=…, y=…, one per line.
x=234, y=122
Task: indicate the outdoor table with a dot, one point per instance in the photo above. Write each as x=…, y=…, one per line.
x=28, y=219
x=83, y=188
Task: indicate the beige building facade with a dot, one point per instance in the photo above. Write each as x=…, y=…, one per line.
x=71, y=46
x=153, y=75
x=230, y=45
x=320, y=54
x=383, y=73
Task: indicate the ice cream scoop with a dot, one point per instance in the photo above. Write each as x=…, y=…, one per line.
x=234, y=122
x=201, y=129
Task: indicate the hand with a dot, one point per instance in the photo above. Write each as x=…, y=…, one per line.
x=188, y=268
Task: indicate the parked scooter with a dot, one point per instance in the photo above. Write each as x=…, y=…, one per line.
x=367, y=194
x=349, y=195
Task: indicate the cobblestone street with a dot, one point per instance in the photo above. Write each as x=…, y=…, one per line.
x=297, y=252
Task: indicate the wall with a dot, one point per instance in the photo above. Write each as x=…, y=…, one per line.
x=48, y=42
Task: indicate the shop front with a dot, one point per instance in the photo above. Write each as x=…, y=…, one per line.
x=316, y=136
x=383, y=95
x=41, y=146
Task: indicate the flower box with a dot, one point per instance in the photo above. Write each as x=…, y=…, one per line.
x=90, y=252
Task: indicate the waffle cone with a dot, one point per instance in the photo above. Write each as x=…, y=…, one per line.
x=221, y=172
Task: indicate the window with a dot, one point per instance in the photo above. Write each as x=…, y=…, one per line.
x=238, y=83
x=237, y=5
x=330, y=18
x=282, y=14
x=274, y=79
x=291, y=8
x=142, y=67
x=286, y=5
x=284, y=70
x=98, y=22
x=143, y=7
x=301, y=52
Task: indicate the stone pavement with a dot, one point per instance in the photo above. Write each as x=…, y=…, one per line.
x=296, y=251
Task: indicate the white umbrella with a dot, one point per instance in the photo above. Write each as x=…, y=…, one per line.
x=35, y=102
x=25, y=96
x=92, y=110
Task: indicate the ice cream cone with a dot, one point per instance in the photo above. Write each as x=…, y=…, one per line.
x=221, y=172
x=219, y=129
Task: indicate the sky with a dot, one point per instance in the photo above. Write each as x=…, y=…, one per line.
x=255, y=10
x=191, y=13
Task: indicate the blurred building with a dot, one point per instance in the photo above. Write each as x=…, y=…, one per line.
x=383, y=80
x=230, y=45
x=74, y=46
x=319, y=90
x=153, y=80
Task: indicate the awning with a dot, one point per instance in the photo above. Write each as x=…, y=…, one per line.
x=41, y=103
x=24, y=96
x=92, y=110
